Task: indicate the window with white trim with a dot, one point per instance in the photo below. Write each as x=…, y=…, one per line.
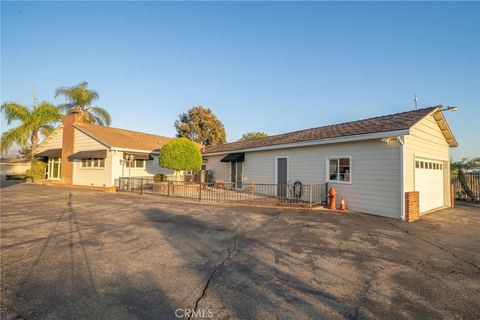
x=93, y=163
x=136, y=163
x=339, y=169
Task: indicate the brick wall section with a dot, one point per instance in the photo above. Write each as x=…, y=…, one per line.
x=68, y=146
x=412, y=206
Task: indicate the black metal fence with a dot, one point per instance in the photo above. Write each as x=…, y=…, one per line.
x=473, y=182
x=249, y=193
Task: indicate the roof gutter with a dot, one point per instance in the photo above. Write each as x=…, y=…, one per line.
x=134, y=150
x=402, y=178
x=308, y=143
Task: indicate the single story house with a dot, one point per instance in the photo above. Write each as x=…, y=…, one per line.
x=386, y=165
x=79, y=153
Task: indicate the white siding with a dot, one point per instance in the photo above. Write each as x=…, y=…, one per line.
x=375, y=168
x=84, y=142
x=93, y=176
x=221, y=170
x=152, y=168
x=53, y=141
x=426, y=141
x=117, y=166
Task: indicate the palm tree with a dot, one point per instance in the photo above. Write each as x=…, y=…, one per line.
x=80, y=98
x=32, y=121
x=460, y=167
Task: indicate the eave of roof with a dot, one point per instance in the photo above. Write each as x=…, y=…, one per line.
x=388, y=125
x=121, y=139
x=307, y=143
x=446, y=131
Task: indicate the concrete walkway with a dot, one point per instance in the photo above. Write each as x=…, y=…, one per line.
x=74, y=254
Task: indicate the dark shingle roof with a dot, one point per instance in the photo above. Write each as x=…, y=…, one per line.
x=121, y=138
x=392, y=122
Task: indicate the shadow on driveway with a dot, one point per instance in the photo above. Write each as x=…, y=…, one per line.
x=87, y=254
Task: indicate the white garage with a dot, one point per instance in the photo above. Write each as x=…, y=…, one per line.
x=395, y=166
x=429, y=175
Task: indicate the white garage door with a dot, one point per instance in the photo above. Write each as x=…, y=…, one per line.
x=429, y=183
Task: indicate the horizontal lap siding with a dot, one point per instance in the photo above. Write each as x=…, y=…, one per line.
x=375, y=187
x=84, y=142
x=367, y=193
x=426, y=140
x=221, y=170
x=93, y=176
x=53, y=141
x=152, y=167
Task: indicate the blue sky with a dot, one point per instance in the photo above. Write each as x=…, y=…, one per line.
x=273, y=67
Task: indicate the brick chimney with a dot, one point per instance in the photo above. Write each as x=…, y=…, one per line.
x=68, y=144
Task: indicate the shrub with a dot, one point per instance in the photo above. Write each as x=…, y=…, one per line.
x=37, y=170
x=180, y=154
x=159, y=177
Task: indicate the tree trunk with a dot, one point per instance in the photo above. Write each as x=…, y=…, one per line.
x=464, y=184
x=34, y=141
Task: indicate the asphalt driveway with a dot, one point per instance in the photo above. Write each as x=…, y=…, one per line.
x=68, y=253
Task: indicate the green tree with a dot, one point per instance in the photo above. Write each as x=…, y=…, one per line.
x=32, y=122
x=80, y=99
x=25, y=152
x=199, y=124
x=459, y=168
x=253, y=135
x=180, y=154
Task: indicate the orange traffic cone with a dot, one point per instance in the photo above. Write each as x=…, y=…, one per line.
x=342, y=205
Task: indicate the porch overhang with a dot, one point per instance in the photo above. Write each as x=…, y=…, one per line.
x=50, y=153
x=234, y=157
x=138, y=155
x=99, y=154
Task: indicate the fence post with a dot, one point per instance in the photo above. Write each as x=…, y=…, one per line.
x=141, y=187
x=168, y=188
x=200, y=192
x=310, y=195
x=326, y=194
x=452, y=196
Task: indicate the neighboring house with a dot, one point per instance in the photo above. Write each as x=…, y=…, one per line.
x=84, y=154
x=373, y=163
x=13, y=167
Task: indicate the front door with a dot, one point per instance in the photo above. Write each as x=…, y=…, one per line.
x=282, y=177
x=236, y=172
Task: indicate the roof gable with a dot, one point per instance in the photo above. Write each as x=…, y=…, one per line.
x=446, y=131
x=53, y=141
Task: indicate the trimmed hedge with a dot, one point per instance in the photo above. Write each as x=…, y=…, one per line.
x=180, y=154
x=37, y=170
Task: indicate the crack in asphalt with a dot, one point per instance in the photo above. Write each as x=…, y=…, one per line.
x=230, y=251
x=364, y=293
x=437, y=246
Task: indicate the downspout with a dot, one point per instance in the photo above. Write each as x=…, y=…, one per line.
x=402, y=180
